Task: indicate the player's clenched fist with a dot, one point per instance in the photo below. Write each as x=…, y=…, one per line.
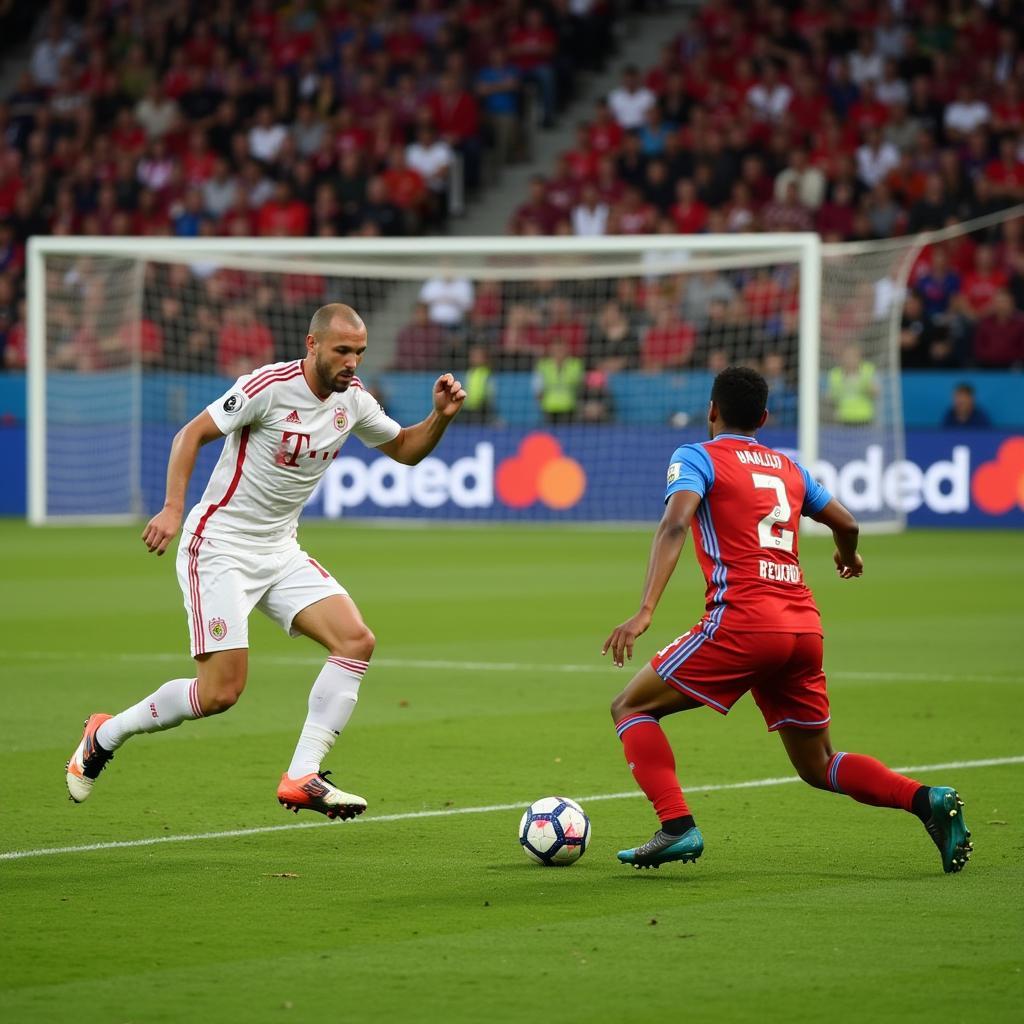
x=160, y=530
x=448, y=395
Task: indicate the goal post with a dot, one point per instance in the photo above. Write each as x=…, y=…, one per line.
x=123, y=337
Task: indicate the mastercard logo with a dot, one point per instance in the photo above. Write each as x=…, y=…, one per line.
x=540, y=471
x=998, y=486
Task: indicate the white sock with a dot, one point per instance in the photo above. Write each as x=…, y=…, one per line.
x=175, y=702
x=331, y=703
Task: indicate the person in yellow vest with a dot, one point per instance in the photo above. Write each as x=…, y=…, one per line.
x=853, y=388
x=557, y=382
x=480, y=390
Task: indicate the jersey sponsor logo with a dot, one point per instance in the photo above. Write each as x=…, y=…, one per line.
x=218, y=629
x=673, y=472
x=290, y=448
x=233, y=402
x=340, y=419
x=292, y=417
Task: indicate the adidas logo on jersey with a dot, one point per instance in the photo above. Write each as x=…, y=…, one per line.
x=292, y=417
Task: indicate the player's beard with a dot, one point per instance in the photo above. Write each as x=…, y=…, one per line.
x=327, y=382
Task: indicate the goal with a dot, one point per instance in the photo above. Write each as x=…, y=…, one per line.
x=588, y=360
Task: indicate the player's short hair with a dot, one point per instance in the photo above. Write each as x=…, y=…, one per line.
x=325, y=315
x=741, y=395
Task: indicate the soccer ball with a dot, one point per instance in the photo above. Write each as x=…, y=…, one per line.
x=554, y=831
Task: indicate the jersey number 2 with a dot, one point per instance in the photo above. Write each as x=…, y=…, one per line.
x=766, y=535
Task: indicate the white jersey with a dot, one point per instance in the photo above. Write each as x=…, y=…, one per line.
x=280, y=440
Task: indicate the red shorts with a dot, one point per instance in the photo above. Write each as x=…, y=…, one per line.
x=782, y=671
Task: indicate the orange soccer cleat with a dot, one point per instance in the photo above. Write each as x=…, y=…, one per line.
x=314, y=793
x=88, y=760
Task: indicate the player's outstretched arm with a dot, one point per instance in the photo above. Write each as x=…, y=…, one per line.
x=838, y=518
x=665, y=548
x=160, y=530
x=413, y=444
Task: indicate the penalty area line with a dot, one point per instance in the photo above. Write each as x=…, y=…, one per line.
x=450, y=812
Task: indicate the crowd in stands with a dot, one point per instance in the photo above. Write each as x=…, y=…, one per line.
x=859, y=120
x=259, y=117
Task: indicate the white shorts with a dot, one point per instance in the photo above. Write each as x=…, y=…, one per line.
x=222, y=585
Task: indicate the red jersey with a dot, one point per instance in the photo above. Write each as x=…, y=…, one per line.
x=745, y=533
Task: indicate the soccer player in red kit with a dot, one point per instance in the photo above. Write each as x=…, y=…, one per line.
x=761, y=630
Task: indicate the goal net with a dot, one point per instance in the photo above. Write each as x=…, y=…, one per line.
x=587, y=362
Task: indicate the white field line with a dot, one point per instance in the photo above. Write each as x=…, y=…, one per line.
x=449, y=812
x=435, y=665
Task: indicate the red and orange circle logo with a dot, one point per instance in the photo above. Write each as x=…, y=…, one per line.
x=540, y=471
x=999, y=485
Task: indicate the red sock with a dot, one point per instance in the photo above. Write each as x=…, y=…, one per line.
x=652, y=764
x=870, y=782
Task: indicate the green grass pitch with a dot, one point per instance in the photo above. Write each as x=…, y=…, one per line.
x=805, y=906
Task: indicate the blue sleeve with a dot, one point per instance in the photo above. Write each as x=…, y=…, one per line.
x=815, y=496
x=691, y=469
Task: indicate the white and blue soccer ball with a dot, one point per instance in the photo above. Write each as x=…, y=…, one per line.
x=554, y=831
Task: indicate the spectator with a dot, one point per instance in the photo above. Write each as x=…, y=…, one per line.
x=669, y=342
x=853, y=388
x=834, y=221
x=308, y=131
x=156, y=112
x=613, y=345
x=558, y=381
x=481, y=393
x=966, y=113
x=49, y=54
x=999, y=335
x=964, y=413
x=432, y=158
x=406, y=188
x=630, y=101
x=787, y=213
x=521, y=339
x=498, y=84
x=810, y=181
x=283, y=215
x=938, y=285
x=378, y=216
x=783, y=396
x=266, y=137
x=456, y=116
x=536, y=210
x=980, y=284
x=244, y=342
x=769, y=97
x=419, y=344
x=532, y=50
x=875, y=158
x=448, y=299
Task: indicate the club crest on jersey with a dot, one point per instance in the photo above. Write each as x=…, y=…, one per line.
x=218, y=629
x=340, y=419
x=233, y=402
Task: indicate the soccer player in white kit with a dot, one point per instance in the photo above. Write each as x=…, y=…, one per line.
x=284, y=424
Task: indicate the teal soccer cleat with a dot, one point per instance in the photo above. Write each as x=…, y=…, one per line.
x=948, y=829
x=664, y=848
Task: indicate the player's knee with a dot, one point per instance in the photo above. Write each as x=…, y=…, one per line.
x=359, y=644
x=224, y=694
x=620, y=707
x=814, y=773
